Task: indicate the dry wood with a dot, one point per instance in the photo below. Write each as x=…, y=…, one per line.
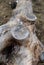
x=30, y=48
x=14, y=20
x=5, y=34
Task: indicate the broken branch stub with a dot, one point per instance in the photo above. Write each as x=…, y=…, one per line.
x=30, y=17
x=24, y=8
x=20, y=32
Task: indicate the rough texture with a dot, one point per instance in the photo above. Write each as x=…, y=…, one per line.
x=38, y=7
x=22, y=52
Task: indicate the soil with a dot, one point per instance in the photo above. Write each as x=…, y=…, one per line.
x=38, y=6
x=5, y=11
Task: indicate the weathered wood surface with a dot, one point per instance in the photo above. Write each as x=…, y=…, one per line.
x=24, y=8
x=5, y=33
x=13, y=20
x=30, y=48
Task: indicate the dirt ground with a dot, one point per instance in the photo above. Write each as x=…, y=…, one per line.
x=38, y=7
x=6, y=13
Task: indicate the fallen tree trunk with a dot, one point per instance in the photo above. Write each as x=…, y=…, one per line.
x=29, y=47
x=28, y=51
x=13, y=20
